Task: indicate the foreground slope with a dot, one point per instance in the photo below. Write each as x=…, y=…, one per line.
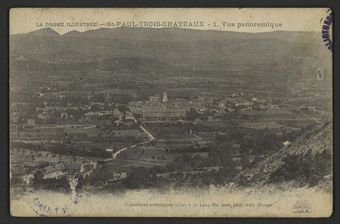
x=308, y=159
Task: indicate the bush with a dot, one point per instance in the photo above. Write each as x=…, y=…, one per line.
x=307, y=170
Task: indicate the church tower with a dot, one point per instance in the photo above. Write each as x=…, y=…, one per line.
x=165, y=98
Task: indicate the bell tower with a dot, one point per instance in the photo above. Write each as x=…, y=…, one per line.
x=165, y=98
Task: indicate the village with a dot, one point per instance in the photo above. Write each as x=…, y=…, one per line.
x=102, y=143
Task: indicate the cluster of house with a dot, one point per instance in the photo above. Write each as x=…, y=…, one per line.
x=48, y=111
x=236, y=102
x=159, y=107
x=58, y=170
x=68, y=112
x=114, y=114
x=202, y=170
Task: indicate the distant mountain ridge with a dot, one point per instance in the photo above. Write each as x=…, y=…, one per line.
x=46, y=32
x=131, y=64
x=262, y=53
x=72, y=33
x=177, y=34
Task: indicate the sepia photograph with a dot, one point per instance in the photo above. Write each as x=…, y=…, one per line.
x=171, y=112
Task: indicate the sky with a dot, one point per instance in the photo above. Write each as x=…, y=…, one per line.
x=63, y=20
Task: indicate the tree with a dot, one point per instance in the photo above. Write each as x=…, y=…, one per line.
x=192, y=114
x=226, y=160
x=123, y=108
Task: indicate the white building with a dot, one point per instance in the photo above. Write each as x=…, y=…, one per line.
x=165, y=98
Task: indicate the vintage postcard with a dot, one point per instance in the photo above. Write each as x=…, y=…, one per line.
x=171, y=112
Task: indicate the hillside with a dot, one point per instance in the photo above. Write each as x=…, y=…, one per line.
x=132, y=65
x=307, y=159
